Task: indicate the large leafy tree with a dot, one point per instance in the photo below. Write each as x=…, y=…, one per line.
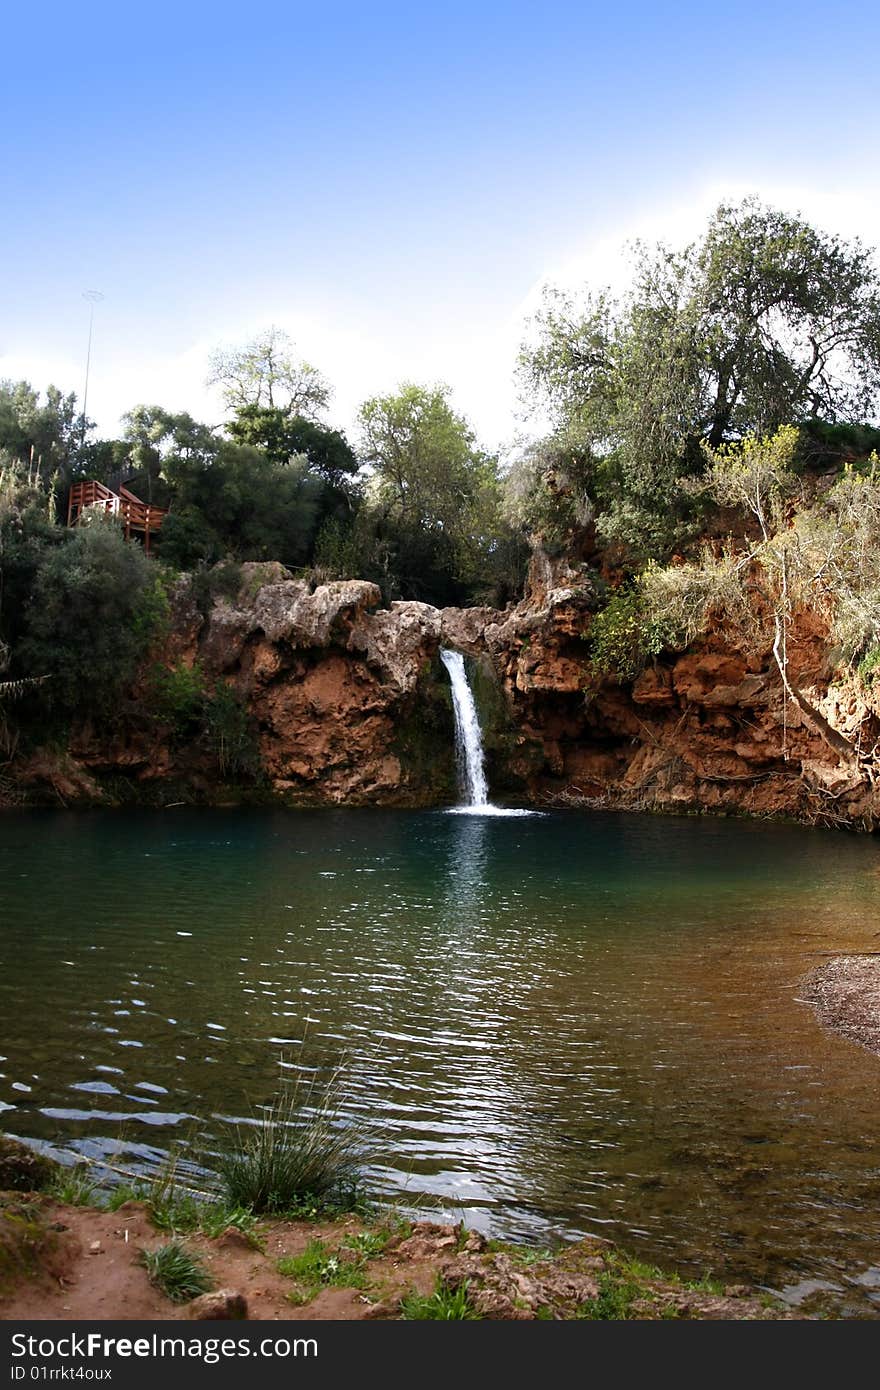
x=764, y=322
x=433, y=498
x=266, y=373
x=46, y=434
x=283, y=436
x=225, y=498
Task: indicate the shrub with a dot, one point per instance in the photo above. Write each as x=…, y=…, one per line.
x=231, y=732
x=179, y=696
x=97, y=602
x=624, y=635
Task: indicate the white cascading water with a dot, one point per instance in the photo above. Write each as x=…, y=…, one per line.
x=468, y=738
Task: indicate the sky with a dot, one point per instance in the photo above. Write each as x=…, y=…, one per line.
x=391, y=183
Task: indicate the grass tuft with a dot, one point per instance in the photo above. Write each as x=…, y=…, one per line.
x=444, y=1304
x=300, y=1159
x=74, y=1186
x=179, y=1274
x=319, y=1267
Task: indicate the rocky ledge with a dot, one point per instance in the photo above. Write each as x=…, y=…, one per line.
x=346, y=701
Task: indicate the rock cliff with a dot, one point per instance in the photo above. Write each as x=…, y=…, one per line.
x=346, y=701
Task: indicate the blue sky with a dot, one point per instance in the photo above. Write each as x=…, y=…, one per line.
x=391, y=183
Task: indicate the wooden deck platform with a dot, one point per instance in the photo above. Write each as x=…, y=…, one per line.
x=134, y=515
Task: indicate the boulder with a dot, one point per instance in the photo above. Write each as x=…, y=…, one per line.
x=23, y=1169
x=222, y=1305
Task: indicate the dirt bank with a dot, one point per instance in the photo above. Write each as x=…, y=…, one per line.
x=845, y=992
x=78, y=1263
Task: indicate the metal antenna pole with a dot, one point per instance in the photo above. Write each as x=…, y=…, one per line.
x=94, y=297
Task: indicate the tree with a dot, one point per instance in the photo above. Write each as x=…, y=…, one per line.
x=282, y=436
x=765, y=322
x=160, y=442
x=46, y=435
x=423, y=455
x=433, y=497
x=264, y=373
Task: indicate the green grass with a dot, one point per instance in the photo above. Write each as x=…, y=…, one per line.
x=177, y=1273
x=298, y=1159
x=319, y=1267
x=74, y=1186
x=614, y=1300
x=626, y=1281
x=368, y=1244
x=126, y=1192
x=445, y=1304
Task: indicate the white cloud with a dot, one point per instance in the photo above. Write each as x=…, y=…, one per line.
x=475, y=357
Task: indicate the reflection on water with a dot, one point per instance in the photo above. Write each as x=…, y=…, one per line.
x=565, y=1023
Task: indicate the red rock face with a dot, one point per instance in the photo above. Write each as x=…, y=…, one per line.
x=348, y=703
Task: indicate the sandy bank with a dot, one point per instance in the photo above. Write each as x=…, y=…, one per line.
x=845, y=992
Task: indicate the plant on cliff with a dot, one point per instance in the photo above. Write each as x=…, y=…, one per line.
x=789, y=558
x=763, y=322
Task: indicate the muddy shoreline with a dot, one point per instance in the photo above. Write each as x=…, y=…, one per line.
x=845, y=994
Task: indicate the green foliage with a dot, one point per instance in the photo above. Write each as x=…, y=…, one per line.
x=43, y=436
x=283, y=436
x=230, y=731
x=178, y=1273
x=625, y=634
x=96, y=602
x=869, y=665
x=320, y=1267
x=188, y=540
x=614, y=1300
x=445, y=1304
x=300, y=1153
x=755, y=475
x=433, y=502
x=179, y=696
x=209, y=583
x=182, y=699
x=763, y=323
x=74, y=1185
x=823, y=446
x=547, y=493
x=368, y=1245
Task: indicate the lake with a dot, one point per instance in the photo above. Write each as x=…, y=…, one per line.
x=564, y=1023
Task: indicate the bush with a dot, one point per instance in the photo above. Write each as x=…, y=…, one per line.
x=231, y=733
x=625, y=635
x=179, y=696
x=97, y=603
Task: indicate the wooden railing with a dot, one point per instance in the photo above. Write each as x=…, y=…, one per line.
x=133, y=514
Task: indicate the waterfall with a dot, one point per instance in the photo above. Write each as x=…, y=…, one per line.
x=468, y=739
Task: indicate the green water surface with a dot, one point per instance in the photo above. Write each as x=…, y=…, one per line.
x=562, y=1024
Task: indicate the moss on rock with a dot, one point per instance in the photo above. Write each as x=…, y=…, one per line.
x=23, y=1169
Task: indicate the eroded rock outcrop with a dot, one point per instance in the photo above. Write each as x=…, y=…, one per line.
x=346, y=701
